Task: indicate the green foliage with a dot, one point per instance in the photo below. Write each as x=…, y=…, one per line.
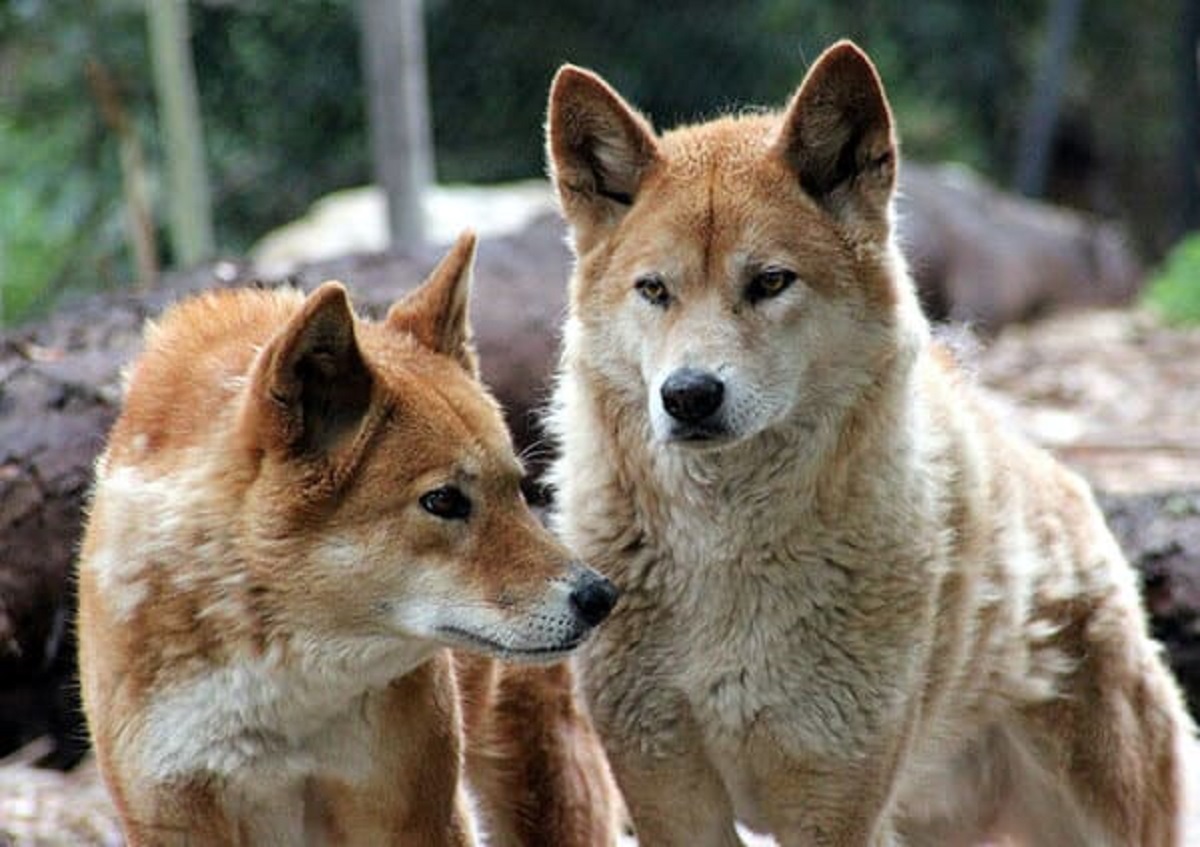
x=281, y=93
x=282, y=101
x=40, y=213
x=1174, y=290
x=490, y=68
x=60, y=213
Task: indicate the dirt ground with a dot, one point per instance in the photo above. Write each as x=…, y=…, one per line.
x=1113, y=393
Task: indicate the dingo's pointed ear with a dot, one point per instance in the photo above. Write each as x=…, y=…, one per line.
x=436, y=312
x=310, y=383
x=598, y=146
x=837, y=136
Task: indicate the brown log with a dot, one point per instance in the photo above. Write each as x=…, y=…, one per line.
x=1160, y=533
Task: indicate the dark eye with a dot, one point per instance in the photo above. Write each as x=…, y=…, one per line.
x=769, y=283
x=447, y=502
x=653, y=290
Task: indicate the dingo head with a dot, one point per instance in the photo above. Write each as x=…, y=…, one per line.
x=739, y=273
x=387, y=499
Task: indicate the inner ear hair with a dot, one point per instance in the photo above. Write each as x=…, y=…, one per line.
x=822, y=173
x=318, y=383
x=622, y=197
x=599, y=145
x=837, y=134
x=614, y=164
x=334, y=397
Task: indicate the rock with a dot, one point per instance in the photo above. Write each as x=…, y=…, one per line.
x=989, y=258
x=354, y=220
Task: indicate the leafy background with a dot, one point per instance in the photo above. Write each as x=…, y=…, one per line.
x=281, y=91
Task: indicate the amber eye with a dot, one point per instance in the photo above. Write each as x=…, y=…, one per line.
x=769, y=283
x=653, y=290
x=447, y=503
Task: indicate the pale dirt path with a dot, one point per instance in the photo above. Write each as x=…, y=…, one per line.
x=1113, y=393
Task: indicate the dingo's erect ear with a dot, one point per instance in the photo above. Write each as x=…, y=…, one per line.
x=837, y=135
x=311, y=385
x=598, y=146
x=436, y=312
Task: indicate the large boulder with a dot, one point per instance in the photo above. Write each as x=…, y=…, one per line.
x=989, y=258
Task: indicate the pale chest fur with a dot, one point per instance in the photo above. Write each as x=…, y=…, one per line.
x=752, y=614
x=270, y=722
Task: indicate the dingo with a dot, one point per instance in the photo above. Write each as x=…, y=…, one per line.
x=296, y=512
x=854, y=611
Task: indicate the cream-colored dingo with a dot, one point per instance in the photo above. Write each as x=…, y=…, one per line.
x=855, y=612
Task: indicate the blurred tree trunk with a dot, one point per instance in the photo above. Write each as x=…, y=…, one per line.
x=190, y=206
x=393, y=48
x=1041, y=115
x=139, y=218
x=1189, y=119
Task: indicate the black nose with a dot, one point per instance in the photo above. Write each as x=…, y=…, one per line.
x=690, y=395
x=594, y=598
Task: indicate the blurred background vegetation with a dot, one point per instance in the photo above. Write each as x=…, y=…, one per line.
x=281, y=91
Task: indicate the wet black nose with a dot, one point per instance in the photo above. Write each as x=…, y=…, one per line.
x=690, y=395
x=594, y=598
